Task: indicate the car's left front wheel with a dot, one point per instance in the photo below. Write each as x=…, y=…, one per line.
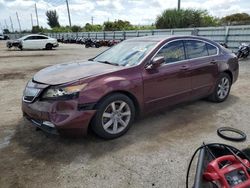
x=114, y=116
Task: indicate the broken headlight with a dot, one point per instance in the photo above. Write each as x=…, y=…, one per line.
x=68, y=92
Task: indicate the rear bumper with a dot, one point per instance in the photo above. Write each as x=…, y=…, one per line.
x=63, y=115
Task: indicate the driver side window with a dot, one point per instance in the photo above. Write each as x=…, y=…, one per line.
x=172, y=52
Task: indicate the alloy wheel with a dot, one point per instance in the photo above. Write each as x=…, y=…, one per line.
x=223, y=88
x=116, y=117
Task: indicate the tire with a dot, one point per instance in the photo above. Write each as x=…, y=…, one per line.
x=241, y=136
x=110, y=121
x=224, y=85
x=20, y=47
x=48, y=46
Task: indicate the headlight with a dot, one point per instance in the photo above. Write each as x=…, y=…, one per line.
x=68, y=92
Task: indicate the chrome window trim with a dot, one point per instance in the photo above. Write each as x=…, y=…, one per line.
x=181, y=61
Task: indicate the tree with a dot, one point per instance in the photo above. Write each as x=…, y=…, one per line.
x=76, y=28
x=173, y=18
x=52, y=18
x=37, y=29
x=236, y=19
x=6, y=31
x=117, y=25
x=88, y=27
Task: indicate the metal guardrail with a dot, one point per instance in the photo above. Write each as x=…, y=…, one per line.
x=231, y=35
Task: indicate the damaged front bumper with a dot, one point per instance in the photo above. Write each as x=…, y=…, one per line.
x=58, y=117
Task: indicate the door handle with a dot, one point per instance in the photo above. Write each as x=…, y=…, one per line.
x=184, y=67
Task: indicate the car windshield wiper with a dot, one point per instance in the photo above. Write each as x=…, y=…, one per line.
x=107, y=62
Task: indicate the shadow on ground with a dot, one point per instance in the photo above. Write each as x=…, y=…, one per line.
x=55, y=148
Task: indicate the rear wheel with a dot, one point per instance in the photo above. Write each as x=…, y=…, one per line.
x=222, y=88
x=114, y=116
x=48, y=46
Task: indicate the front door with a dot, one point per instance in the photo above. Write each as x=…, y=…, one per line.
x=171, y=82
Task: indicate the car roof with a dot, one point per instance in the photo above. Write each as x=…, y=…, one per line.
x=161, y=38
x=31, y=35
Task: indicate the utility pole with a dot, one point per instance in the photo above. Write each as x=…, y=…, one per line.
x=68, y=12
x=179, y=4
x=6, y=26
x=31, y=21
x=1, y=26
x=36, y=16
x=92, y=20
x=11, y=25
x=18, y=23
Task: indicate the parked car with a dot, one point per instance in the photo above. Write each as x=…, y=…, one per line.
x=34, y=41
x=135, y=77
x=4, y=37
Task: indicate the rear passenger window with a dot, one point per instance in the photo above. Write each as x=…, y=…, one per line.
x=172, y=52
x=41, y=37
x=195, y=49
x=30, y=38
x=211, y=49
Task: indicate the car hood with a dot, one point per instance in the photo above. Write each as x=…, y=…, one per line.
x=63, y=73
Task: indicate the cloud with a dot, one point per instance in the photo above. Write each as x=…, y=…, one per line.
x=136, y=11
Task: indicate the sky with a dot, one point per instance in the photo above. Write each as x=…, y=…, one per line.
x=138, y=12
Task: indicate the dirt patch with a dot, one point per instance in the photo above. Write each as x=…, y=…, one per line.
x=12, y=76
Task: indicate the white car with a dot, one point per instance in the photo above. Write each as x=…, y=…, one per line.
x=36, y=41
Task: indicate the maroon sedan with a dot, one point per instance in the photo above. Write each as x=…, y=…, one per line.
x=135, y=77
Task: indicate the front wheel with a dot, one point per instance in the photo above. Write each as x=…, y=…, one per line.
x=48, y=46
x=222, y=88
x=114, y=116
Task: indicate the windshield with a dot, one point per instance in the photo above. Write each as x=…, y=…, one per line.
x=126, y=53
x=22, y=38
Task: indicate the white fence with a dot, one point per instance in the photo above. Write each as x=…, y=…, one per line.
x=231, y=35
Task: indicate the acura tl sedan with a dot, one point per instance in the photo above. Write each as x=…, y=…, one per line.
x=137, y=76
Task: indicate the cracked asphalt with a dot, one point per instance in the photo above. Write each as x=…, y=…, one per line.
x=155, y=152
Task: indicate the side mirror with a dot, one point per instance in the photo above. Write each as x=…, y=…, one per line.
x=155, y=63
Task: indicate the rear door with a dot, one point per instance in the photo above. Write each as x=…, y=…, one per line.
x=204, y=69
x=170, y=83
x=41, y=41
